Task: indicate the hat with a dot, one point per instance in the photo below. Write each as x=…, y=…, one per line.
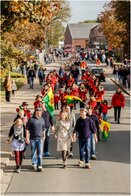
x=20, y=108
x=38, y=109
x=83, y=109
x=24, y=104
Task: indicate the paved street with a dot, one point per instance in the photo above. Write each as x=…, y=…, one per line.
x=110, y=173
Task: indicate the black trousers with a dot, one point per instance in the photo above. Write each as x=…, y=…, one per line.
x=7, y=95
x=117, y=113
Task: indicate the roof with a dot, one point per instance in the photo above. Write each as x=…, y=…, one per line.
x=98, y=30
x=81, y=30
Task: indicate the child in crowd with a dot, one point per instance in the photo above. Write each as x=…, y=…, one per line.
x=104, y=109
x=56, y=100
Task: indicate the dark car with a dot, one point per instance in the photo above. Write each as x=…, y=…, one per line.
x=99, y=73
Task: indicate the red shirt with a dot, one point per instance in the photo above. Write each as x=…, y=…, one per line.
x=36, y=104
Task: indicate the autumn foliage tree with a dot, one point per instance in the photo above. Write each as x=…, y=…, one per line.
x=26, y=23
x=115, y=21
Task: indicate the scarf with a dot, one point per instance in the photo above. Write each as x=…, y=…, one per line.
x=18, y=132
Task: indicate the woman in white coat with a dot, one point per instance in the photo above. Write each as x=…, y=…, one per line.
x=63, y=136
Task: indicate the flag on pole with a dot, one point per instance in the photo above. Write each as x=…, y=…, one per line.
x=105, y=129
x=49, y=102
x=72, y=99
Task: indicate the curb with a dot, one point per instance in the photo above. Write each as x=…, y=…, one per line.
x=5, y=159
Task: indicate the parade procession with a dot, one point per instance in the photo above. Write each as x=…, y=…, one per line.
x=65, y=98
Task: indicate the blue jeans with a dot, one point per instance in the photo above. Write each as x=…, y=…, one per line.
x=31, y=82
x=84, y=146
x=46, y=142
x=105, y=117
x=93, y=145
x=36, y=151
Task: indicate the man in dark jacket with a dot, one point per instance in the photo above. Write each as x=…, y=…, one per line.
x=31, y=76
x=48, y=122
x=84, y=127
x=96, y=124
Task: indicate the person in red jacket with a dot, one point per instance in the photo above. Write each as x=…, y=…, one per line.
x=92, y=103
x=82, y=93
x=56, y=100
x=26, y=110
x=37, y=102
x=118, y=101
x=104, y=109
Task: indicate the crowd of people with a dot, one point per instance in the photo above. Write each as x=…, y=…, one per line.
x=73, y=78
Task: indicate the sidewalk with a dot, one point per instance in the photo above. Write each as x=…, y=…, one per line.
x=8, y=113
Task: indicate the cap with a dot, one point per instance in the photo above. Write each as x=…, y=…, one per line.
x=84, y=109
x=38, y=109
x=24, y=104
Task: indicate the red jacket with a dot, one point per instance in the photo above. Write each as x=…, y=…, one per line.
x=83, y=94
x=92, y=104
x=105, y=108
x=118, y=100
x=56, y=98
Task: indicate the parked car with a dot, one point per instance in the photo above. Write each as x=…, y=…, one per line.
x=99, y=73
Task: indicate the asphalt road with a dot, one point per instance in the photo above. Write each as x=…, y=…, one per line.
x=110, y=173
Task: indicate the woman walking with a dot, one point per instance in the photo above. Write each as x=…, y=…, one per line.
x=18, y=133
x=63, y=136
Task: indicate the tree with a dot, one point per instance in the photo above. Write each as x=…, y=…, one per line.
x=27, y=23
x=116, y=27
x=122, y=14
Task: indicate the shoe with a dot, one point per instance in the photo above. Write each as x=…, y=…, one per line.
x=34, y=167
x=39, y=168
x=71, y=154
x=81, y=163
x=118, y=122
x=46, y=154
x=93, y=157
x=17, y=170
x=64, y=165
x=88, y=165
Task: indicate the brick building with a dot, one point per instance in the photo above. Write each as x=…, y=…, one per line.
x=97, y=38
x=77, y=35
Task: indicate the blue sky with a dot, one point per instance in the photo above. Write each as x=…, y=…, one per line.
x=85, y=10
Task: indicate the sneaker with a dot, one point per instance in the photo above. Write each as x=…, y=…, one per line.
x=46, y=154
x=64, y=165
x=39, y=168
x=71, y=154
x=81, y=163
x=88, y=165
x=93, y=157
x=34, y=167
x=17, y=170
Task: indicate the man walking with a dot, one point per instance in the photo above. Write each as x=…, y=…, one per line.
x=31, y=76
x=36, y=127
x=48, y=121
x=84, y=127
x=118, y=101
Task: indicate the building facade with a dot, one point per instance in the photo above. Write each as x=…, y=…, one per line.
x=77, y=35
